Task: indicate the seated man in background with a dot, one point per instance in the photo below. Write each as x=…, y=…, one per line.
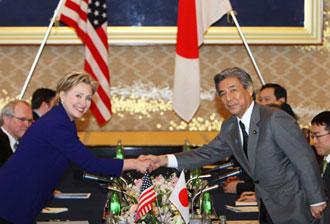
x=320, y=134
x=15, y=118
x=43, y=100
x=272, y=93
x=275, y=94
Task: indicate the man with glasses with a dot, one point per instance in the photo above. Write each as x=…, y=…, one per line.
x=15, y=118
x=320, y=134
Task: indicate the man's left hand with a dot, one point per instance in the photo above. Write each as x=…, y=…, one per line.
x=318, y=210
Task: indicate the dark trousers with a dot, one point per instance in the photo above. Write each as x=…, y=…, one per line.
x=264, y=216
x=2, y=221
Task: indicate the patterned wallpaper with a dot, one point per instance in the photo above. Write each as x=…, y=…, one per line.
x=142, y=79
x=305, y=74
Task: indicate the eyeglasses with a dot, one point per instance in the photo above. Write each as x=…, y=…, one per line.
x=318, y=136
x=23, y=119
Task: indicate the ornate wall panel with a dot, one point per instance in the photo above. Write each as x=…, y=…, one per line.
x=142, y=79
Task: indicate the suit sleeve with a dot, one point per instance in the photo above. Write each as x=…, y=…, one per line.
x=290, y=139
x=212, y=152
x=64, y=139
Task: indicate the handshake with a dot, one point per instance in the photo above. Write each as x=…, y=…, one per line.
x=145, y=163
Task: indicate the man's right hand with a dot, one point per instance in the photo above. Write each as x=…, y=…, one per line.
x=158, y=161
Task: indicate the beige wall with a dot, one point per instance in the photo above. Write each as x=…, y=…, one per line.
x=304, y=73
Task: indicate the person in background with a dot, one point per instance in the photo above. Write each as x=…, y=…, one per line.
x=269, y=146
x=42, y=101
x=46, y=149
x=16, y=118
x=238, y=185
x=320, y=134
x=275, y=94
x=272, y=93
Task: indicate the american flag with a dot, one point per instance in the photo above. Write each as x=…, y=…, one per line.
x=147, y=196
x=89, y=19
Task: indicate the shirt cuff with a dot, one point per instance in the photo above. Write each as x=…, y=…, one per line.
x=172, y=162
x=317, y=204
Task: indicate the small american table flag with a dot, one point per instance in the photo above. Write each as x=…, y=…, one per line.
x=89, y=19
x=147, y=196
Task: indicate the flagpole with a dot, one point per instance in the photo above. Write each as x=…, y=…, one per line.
x=247, y=47
x=36, y=59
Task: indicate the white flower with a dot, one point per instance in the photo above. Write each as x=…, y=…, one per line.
x=163, y=210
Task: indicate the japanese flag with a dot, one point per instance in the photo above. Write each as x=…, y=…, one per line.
x=194, y=18
x=179, y=198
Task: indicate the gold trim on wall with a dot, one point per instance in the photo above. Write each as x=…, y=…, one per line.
x=138, y=138
x=311, y=33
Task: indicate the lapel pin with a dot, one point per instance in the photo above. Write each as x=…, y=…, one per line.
x=254, y=132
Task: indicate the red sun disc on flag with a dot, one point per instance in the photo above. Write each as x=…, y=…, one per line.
x=183, y=197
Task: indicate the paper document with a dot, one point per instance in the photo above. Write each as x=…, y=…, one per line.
x=72, y=195
x=50, y=210
x=242, y=208
x=245, y=203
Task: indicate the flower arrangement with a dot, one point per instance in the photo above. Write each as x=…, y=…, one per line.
x=163, y=211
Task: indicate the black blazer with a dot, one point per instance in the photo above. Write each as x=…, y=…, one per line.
x=326, y=182
x=5, y=149
x=35, y=115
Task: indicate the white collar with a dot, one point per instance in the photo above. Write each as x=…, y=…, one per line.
x=246, y=118
x=327, y=158
x=35, y=111
x=12, y=140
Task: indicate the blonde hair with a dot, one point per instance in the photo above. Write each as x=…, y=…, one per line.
x=72, y=79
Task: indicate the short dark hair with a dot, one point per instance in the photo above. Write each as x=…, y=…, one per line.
x=240, y=74
x=323, y=119
x=279, y=91
x=42, y=95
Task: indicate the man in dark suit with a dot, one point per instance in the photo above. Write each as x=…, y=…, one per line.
x=15, y=118
x=269, y=146
x=320, y=133
x=275, y=94
x=42, y=101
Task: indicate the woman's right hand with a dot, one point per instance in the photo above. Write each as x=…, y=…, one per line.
x=141, y=166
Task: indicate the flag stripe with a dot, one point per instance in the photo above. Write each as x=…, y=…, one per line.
x=100, y=94
x=88, y=18
x=147, y=197
x=186, y=44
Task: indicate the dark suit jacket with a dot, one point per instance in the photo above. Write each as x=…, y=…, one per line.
x=5, y=148
x=35, y=115
x=33, y=171
x=281, y=163
x=326, y=181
